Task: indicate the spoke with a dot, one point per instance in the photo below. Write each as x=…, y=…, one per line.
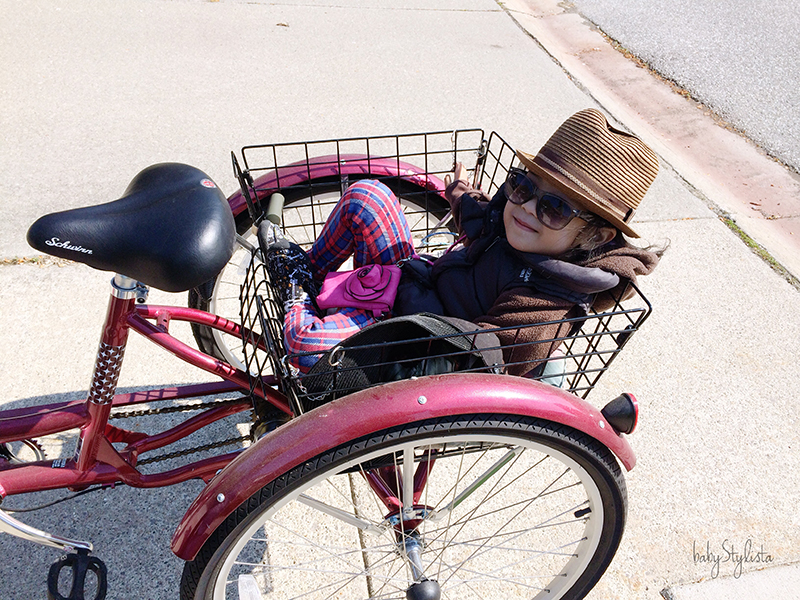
x=348, y=576
x=557, y=551
x=489, y=494
x=472, y=518
x=324, y=549
x=475, y=552
x=490, y=472
x=485, y=577
x=338, y=491
x=393, y=576
x=461, y=476
x=467, y=584
x=338, y=513
x=440, y=558
x=483, y=548
x=297, y=568
x=341, y=583
x=389, y=549
x=273, y=569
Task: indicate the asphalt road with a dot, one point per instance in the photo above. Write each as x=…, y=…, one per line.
x=737, y=57
x=92, y=92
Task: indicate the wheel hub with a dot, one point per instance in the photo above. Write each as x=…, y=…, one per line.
x=405, y=522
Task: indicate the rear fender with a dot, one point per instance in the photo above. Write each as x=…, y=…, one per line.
x=388, y=406
x=336, y=166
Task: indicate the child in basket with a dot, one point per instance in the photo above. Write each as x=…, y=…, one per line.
x=548, y=246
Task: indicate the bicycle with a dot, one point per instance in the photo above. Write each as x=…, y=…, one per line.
x=458, y=484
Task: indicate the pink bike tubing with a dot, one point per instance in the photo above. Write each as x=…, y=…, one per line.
x=98, y=462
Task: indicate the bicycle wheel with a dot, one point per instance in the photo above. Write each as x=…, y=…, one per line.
x=513, y=507
x=305, y=210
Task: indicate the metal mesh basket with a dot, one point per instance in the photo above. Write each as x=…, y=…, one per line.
x=313, y=175
x=586, y=347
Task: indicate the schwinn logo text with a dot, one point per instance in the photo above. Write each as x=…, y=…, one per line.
x=57, y=243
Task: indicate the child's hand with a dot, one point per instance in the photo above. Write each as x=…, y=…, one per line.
x=459, y=174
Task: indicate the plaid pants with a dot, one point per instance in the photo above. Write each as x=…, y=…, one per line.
x=368, y=224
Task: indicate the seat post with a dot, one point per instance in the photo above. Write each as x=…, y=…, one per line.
x=106, y=369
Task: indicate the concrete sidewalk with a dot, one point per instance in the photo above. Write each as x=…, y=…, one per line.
x=93, y=92
x=768, y=584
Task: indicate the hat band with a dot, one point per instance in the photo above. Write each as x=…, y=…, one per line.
x=626, y=210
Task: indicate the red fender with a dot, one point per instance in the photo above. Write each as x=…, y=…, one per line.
x=336, y=165
x=387, y=405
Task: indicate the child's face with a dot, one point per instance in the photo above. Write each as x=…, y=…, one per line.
x=526, y=234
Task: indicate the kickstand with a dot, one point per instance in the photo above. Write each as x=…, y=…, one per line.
x=80, y=563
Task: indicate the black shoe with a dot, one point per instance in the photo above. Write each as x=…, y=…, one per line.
x=289, y=271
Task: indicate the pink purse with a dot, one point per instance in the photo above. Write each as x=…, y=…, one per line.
x=373, y=287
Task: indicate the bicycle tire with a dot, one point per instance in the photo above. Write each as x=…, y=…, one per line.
x=506, y=540
x=220, y=295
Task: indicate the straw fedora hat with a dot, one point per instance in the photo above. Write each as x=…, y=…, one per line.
x=602, y=169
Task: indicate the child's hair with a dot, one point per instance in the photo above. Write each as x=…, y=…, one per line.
x=589, y=244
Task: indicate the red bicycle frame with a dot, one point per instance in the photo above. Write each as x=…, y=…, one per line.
x=96, y=460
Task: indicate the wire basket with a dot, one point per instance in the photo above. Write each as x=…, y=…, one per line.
x=586, y=345
x=313, y=175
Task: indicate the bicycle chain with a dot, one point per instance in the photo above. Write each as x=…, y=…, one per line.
x=179, y=453
x=123, y=414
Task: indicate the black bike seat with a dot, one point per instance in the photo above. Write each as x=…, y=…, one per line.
x=172, y=230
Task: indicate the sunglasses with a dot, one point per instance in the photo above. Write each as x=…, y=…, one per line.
x=553, y=212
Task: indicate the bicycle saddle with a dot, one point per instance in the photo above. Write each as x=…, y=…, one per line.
x=172, y=230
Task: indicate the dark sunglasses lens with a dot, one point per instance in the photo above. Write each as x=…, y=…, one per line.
x=519, y=188
x=553, y=212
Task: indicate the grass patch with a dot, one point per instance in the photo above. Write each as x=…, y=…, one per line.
x=760, y=251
